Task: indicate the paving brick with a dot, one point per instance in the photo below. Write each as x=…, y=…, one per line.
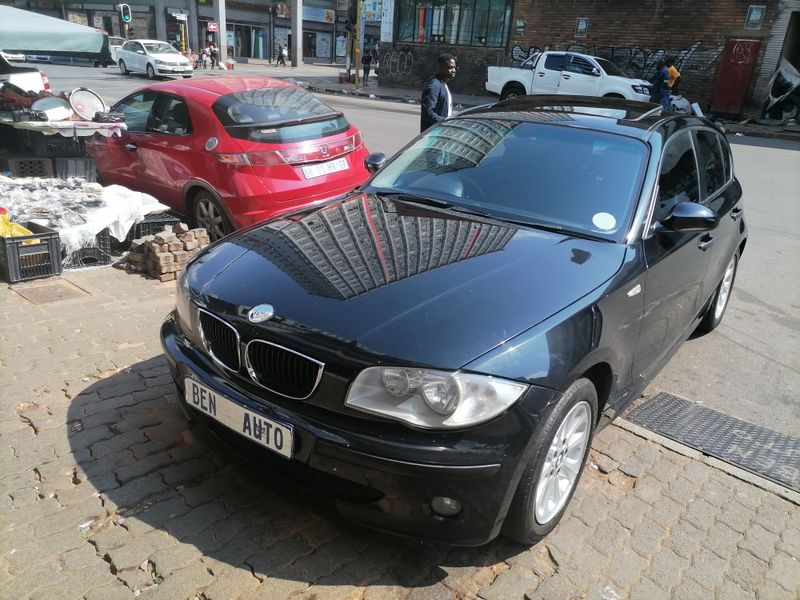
x=666, y=512
x=746, y=570
x=68, y=519
x=183, y=583
x=665, y=470
x=646, y=537
x=790, y=541
x=696, y=472
x=689, y=589
x=722, y=540
x=171, y=558
x=276, y=587
x=569, y=535
x=625, y=568
x=595, y=510
x=682, y=490
x=140, y=468
x=584, y=566
x=29, y=581
x=231, y=584
x=771, y=518
x=665, y=568
x=706, y=568
x=684, y=539
x=608, y=537
x=136, y=490
x=760, y=542
x=648, y=488
x=113, y=591
x=785, y=571
x=772, y=591
x=701, y=514
x=536, y=559
x=74, y=585
x=109, y=537
x=736, y=516
x=189, y=471
x=133, y=554
x=32, y=555
x=556, y=587
x=634, y=466
x=732, y=591
x=630, y=511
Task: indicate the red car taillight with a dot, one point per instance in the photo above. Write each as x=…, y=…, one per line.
x=315, y=152
x=45, y=81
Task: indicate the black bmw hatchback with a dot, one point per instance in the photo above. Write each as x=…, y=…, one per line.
x=437, y=348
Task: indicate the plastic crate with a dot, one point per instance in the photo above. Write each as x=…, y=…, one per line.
x=53, y=146
x=76, y=167
x=91, y=256
x=26, y=166
x=21, y=262
x=151, y=225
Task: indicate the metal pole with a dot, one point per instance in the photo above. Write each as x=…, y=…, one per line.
x=359, y=42
x=297, y=32
x=222, y=34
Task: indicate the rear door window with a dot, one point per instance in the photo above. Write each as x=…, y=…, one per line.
x=678, y=179
x=277, y=114
x=171, y=115
x=554, y=62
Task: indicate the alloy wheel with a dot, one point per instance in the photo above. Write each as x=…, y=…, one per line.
x=208, y=216
x=151, y=73
x=725, y=287
x=123, y=69
x=563, y=462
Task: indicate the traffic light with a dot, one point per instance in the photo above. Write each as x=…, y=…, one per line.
x=125, y=13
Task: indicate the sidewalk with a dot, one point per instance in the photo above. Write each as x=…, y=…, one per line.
x=108, y=493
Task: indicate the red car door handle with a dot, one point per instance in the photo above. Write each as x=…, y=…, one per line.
x=131, y=147
x=705, y=243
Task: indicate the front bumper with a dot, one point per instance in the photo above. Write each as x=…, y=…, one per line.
x=388, y=489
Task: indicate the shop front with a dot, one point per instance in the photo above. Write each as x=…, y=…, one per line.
x=247, y=30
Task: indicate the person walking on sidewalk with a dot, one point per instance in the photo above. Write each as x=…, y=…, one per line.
x=214, y=52
x=437, y=103
x=282, y=55
x=366, y=65
x=674, y=75
x=659, y=93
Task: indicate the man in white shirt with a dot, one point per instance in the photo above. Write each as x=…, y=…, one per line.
x=437, y=102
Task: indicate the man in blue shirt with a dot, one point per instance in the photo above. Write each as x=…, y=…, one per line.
x=659, y=92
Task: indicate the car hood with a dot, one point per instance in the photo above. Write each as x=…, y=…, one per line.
x=170, y=57
x=628, y=80
x=403, y=282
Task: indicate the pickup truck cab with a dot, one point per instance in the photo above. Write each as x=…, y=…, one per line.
x=565, y=73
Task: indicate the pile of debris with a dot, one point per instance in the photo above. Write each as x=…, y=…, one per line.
x=162, y=256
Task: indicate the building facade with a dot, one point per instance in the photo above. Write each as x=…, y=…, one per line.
x=727, y=50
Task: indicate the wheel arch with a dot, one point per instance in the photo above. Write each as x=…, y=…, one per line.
x=190, y=191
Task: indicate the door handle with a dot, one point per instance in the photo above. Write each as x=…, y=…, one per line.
x=565, y=76
x=131, y=147
x=736, y=213
x=541, y=74
x=706, y=243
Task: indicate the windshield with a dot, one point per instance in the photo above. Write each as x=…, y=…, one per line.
x=277, y=114
x=610, y=68
x=580, y=180
x=160, y=48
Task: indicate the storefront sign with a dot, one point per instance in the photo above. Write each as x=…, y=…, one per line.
x=323, y=45
x=212, y=26
x=342, y=5
x=387, y=20
x=371, y=10
x=319, y=15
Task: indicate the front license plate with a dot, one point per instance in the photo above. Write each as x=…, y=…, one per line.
x=278, y=437
x=320, y=169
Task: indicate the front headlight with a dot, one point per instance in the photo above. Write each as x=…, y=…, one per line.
x=161, y=62
x=432, y=399
x=183, y=301
x=641, y=89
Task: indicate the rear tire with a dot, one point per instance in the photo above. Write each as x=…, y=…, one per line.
x=719, y=302
x=512, y=90
x=552, y=475
x=122, y=68
x=208, y=213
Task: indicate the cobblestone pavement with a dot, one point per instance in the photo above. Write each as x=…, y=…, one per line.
x=108, y=492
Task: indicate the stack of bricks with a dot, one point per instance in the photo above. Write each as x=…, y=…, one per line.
x=162, y=256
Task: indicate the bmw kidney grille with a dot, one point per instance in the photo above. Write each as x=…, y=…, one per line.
x=281, y=370
x=221, y=340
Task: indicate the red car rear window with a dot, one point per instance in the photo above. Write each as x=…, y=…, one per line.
x=277, y=114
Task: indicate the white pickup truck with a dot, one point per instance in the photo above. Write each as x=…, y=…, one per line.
x=565, y=73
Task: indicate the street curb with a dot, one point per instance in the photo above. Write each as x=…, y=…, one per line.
x=715, y=463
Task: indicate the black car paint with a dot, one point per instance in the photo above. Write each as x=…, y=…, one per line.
x=608, y=321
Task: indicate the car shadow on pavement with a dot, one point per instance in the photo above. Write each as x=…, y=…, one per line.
x=170, y=497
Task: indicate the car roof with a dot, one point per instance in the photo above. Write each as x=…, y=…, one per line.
x=146, y=41
x=216, y=86
x=615, y=115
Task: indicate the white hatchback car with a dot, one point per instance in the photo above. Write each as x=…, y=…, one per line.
x=153, y=58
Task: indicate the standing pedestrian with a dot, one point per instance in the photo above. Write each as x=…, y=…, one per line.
x=659, y=93
x=437, y=103
x=215, y=56
x=674, y=75
x=284, y=55
x=205, y=56
x=366, y=65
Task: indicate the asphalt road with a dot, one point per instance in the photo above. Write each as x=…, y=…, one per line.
x=750, y=366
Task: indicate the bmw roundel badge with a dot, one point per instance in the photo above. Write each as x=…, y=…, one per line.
x=260, y=312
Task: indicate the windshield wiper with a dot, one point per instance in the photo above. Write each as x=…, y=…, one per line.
x=412, y=197
x=560, y=230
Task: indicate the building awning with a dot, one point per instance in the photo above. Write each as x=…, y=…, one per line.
x=31, y=33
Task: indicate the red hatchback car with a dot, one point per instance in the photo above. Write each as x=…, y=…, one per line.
x=231, y=151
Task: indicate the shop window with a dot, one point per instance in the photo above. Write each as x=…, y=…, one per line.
x=462, y=22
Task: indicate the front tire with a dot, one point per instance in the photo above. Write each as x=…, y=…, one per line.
x=122, y=68
x=719, y=302
x=151, y=72
x=208, y=214
x=512, y=90
x=550, y=479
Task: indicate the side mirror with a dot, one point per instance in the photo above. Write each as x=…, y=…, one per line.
x=688, y=217
x=375, y=162
x=595, y=71
x=140, y=52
